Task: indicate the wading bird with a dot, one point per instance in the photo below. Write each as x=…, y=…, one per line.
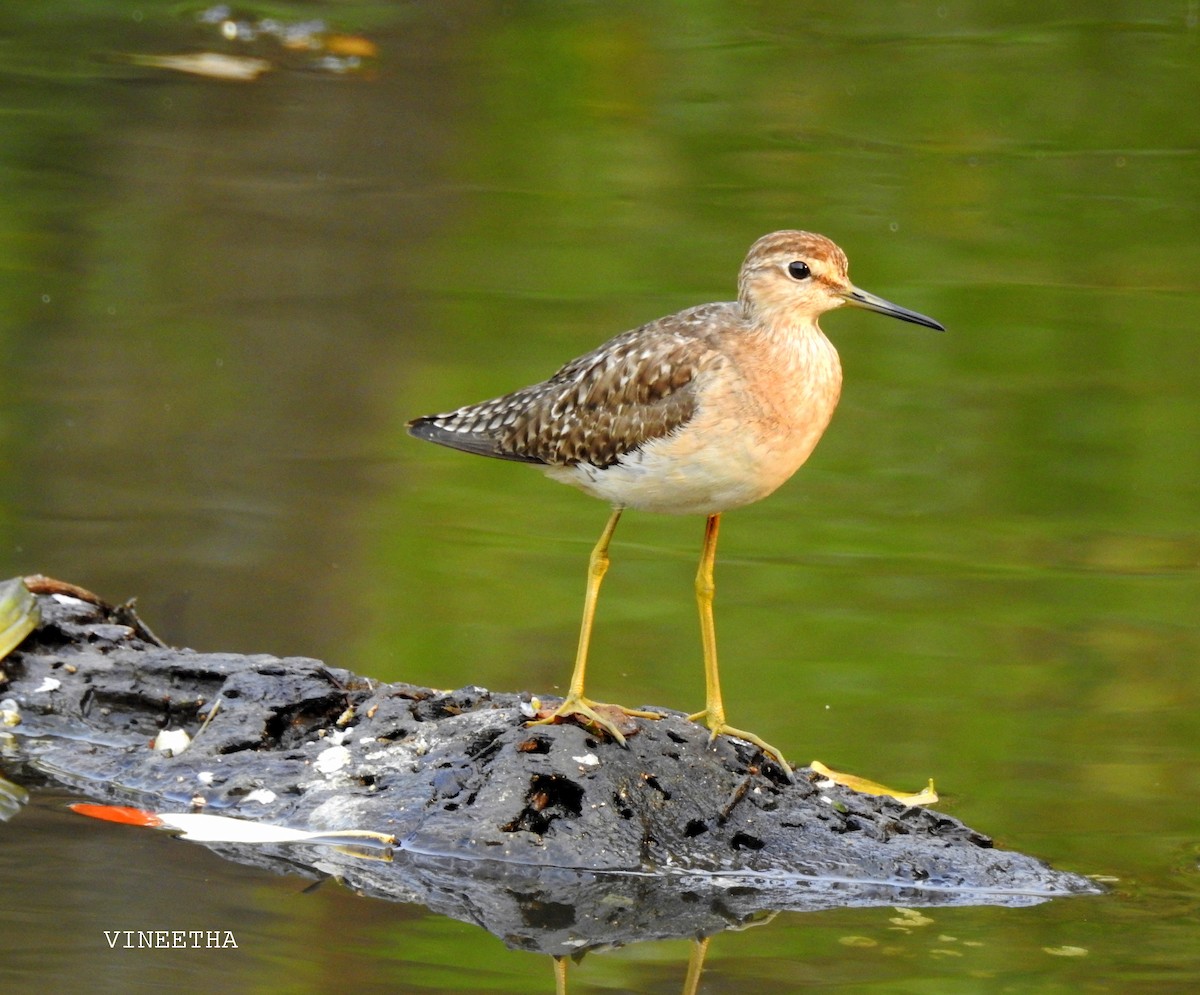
x=696, y=413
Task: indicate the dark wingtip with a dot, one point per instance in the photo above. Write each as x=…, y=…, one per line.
x=418, y=428
x=430, y=429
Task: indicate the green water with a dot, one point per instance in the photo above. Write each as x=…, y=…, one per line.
x=222, y=301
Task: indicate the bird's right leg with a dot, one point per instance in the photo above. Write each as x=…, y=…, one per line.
x=586, y=711
x=714, y=706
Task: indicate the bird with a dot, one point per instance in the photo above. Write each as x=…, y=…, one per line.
x=697, y=413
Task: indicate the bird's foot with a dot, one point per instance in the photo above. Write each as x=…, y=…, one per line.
x=615, y=720
x=926, y=796
x=719, y=727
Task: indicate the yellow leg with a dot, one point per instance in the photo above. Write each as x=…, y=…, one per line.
x=597, y=568
x=560, y=976
x=575, y=703
x=714, y=709
x=691, y=984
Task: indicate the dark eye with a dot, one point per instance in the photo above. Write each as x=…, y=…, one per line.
x=798, y=270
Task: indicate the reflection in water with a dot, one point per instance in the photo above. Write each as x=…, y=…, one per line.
x=566, y=913
x=12, y=798
x=691, y=982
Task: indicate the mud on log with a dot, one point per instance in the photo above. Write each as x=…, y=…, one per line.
x=547, y=823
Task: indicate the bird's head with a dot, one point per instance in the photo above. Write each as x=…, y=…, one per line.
x=796, y=276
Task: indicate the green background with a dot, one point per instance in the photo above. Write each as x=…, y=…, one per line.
x=222, y=301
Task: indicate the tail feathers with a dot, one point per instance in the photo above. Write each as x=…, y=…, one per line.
x=432, y=428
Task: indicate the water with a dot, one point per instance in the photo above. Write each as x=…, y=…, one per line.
x=222, y=301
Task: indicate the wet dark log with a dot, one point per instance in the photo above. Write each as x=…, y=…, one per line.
x=552, y=837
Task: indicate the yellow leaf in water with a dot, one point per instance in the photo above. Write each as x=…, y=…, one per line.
x=19, y=614
x=909, y=917
x=351, y=45
x=926, y=796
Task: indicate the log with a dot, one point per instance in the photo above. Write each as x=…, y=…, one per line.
x=554, y=838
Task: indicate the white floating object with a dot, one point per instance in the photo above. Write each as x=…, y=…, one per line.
x=263, y=795
x=48, y=684
x=223, y=829
x=172, y=741
x=214, y=65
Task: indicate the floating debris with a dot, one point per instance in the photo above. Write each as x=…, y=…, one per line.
x=926, y=796
x=223, y=829
x=12, y=799
x=280, y=43
x=906, y=918
x=19, y=614
x=172, y=742
x=214, y=65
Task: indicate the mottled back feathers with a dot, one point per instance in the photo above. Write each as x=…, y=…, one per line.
x=609, y=402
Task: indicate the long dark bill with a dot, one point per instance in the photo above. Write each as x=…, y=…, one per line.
x=860, y=298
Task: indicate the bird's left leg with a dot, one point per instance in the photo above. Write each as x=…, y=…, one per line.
x=714, y=709
x=691, y=983
x=586, y=711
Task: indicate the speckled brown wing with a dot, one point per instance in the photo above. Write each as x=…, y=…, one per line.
x=636, y=387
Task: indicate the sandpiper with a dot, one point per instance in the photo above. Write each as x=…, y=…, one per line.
x=696, y=413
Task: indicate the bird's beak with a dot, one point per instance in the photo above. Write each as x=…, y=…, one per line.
x=860, y=298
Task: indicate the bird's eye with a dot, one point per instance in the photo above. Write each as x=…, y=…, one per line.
x=798, y=270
